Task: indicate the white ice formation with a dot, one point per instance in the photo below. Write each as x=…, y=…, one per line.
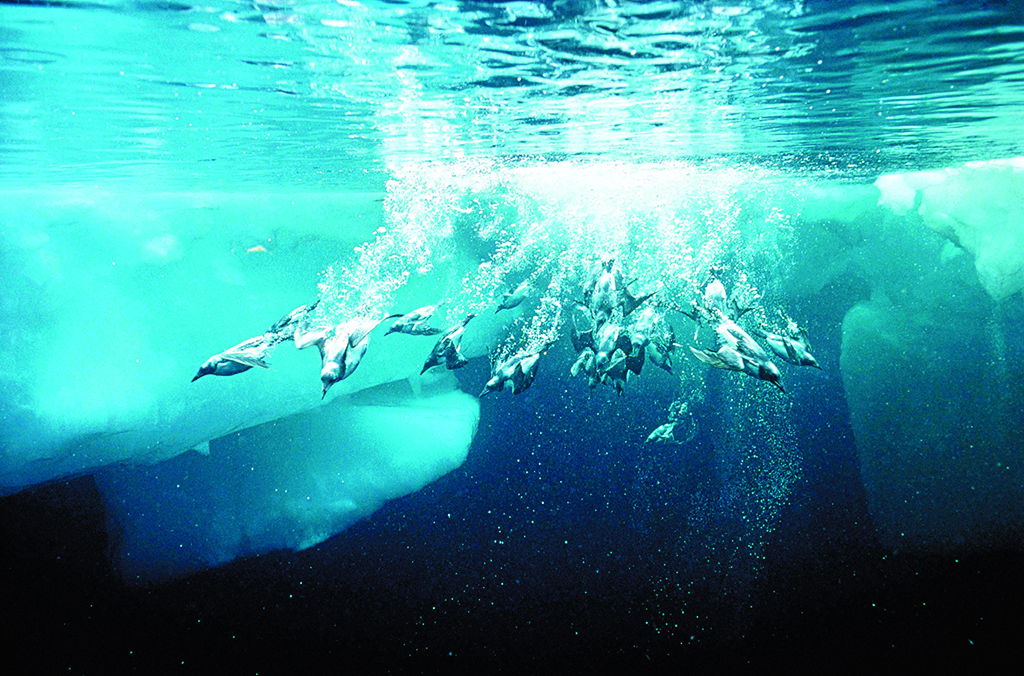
x=111, y=300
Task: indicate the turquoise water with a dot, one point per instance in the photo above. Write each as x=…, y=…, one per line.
x=330, y=95
x=175, y=178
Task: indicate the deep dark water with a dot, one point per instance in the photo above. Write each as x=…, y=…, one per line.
x=563, y=544
x=498, y=587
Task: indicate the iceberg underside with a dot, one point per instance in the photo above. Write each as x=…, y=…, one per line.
x=112, y=300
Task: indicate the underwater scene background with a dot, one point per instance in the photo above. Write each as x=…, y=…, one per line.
x=174, y=178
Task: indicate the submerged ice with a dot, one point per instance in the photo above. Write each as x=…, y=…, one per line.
x=114, y=300
x=290, y=483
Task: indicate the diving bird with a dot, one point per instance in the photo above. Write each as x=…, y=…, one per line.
x=415, y=323
x=732, y=334
x=253, y=352
x=286, y=327
x=715, y=297
x=738, y=351
x=615, y=356
x=341, y=348
x=615, y=371
x=607, y=290
x=725, y=357
x=730, y=359
x=358, y=329
x=631, y=302
x=659, y=337
x=660, y=356
x=661, y=347
x=583, y=345
x=513, y=297
x=638, y=349
x=715, y=302
x=447, y=348
x=593, y=275
x=756, y=361
x=237, y=359
x=312, y=330
x=794, y=350
x=586, y=363
x=333, y=347
x=519, y=369
x=663, y=434
x=609, y=340
x=602, y=293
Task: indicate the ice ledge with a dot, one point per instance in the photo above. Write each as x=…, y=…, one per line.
x=978, y=206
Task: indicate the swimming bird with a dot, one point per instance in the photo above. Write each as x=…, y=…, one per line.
x=582, y=338
x=715, y=297
x=415, y=323
x=615, y=355
x=333, y=347
x=253, y=352
x=519, y=369
x=513, y=297
x=586, y=363
x=660, y=356
x=447, y=348
x=602, y=358
x=286, y=327
x=604, y=262
x=341, y=348
x=608, y=340
x=715, y=302
x=237, y=359
x=659, y=337
x=630, y=302
x=663, y=434
x=312, y=330
x=607, y=290
x=725, y=357
x=730, y=359
x=602, y=293
x=358, y=330
x=732, y=334
x=638, y=348
x=615, y=371
x=795, y=350
x=738, y=351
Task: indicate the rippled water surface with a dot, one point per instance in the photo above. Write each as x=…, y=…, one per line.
x=300, y=93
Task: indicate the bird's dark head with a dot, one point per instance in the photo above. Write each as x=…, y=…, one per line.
x=204, y=370
x=770, y=372
x=330, y=375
